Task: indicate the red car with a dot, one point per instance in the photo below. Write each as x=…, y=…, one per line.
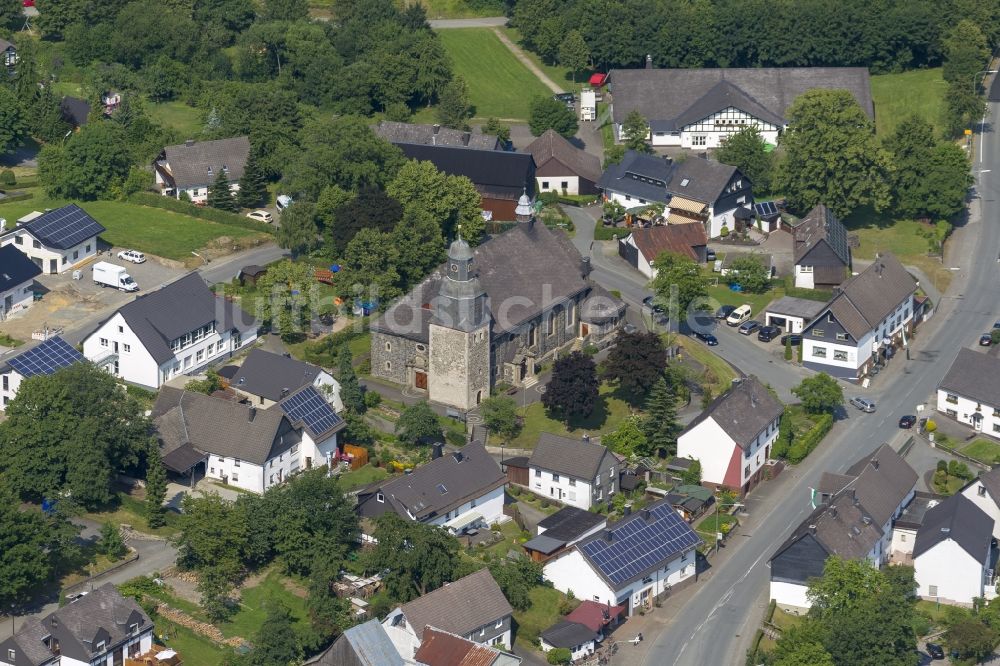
x=29, y=3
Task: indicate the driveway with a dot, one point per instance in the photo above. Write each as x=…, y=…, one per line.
x=487, y=22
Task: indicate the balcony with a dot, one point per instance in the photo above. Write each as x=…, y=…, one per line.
x=105, y=357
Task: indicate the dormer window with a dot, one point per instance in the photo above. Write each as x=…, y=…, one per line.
x=380, y=497
x=11, y=656
x=133, y=628
x=100, y=646
x=209, y=171
x=684, y=183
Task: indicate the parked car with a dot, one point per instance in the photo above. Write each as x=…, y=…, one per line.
x=768, y=333
x=709, y=254
x=261, y=216
x=748, y=327
x=794, y=339
x=739, y=315
x=724, y=311
x=707, y=338
x=864, y=404
x=569, y=99
x=76, y=596
x=650, y=304
x=134, y=256
x=630, y=328
x=935, y=651
x=996, y=324
x=282, y=202
x=985, y=340
x=908, y=421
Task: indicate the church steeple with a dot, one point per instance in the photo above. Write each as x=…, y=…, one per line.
x=524, y=212
x=461, y=299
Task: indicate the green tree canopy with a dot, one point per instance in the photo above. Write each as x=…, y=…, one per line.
x=498, y=129
x=547, y=113
x=635, y=132
x=220, y=195
x=500, y=417
x=750, y=273
x=635, y=363
x=253, y=185
x=418, y=424
x=573, y=390
x=747, y=151
x=276, y=643
x=93, y=160
x=574, y=53
x=156, y=488
x=370, y=260
x=454, y=106
x=674, y=269
x=930, y=178
x=628, y=439
x=516, y=578
x=452, y=201
x=350, y=389
x=370, y=208
x=660, y=426
x=820, y=394
x=419, y=557
x=298, y=232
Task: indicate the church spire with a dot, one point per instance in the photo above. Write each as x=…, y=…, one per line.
x=524, y=212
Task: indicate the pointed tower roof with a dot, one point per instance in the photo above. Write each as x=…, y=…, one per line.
x=524, y=211
x=459, y=249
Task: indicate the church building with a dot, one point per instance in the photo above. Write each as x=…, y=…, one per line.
x=493, y=314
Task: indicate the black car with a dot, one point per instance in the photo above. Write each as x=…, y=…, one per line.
x=794, y=339
x=655, y=307
x=768, y=333
x=985, y=340
x=724, y=311
x=935, y=651
x=709, y=254
x=707, y=338
x=908, y=421
x=748, y=327
x=566, y=98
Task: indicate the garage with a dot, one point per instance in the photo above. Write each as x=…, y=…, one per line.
x=791, y=314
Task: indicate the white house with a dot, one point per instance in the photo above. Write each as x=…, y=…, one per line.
x=822, y=253
x=631, y=563
x=56, y=240
x=102, y=628
x=905, y=527
x=792, y=314
x=868, y=318
x=458, y=490
x=17, y=276
x=193, y=166
x=953, y=559
x=563, y=168
x=266, y=378
x=44, y=358
x=701, y=108
x=641, y=247
x=984, y=492
x=572, y=471
x=472, y=607
x=176, y=330
x=970, y=392
x=579, y=639
x=732, y=437
x=241, y=445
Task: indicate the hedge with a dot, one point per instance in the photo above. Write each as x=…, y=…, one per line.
x=201, y=212
x=804, y=445
x=325, y=350
x=23, y=196
x=603, y=233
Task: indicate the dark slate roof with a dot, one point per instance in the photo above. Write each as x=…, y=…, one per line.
x=670, y=97
x=569, y=456
x=190, y=165
x=75, y=110
x=493, y=171
x=706, y=179
x=990, y=481
x=553, y=146
x=743, y=411
x=915, y=512
x=435, y=135
x=680, y=239
x=882, y=482
x=459, y=607
x=180, y=307
x=15, y=267
x=266, y=374
x=570, y=523
x=796, y=307
x=864, y=300
x=820, y=225
x=639, y=175
x=564, y=634
x=637, y=545
x=220, y=427
x=976, y=376
x=544, y=544
x=64, y=227
x=959, y=519
x=465, y=475
x=842, y=528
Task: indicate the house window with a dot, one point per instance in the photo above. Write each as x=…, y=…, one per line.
x=805, y=269
x=902, y=538
x=210, y=348
x=982, y=489
x=699, y=140
x=11, y=655
x=932, y=590
x=746, y=471
x=87, y=249
x=104, y=342
x=295, y=449
x=819, y=352
x=100, y=646
x=538, y=473
x=6, y=383
x=221, y=459
x=121, y=329
x=842, y=337
x=596, y=598
x=996, y=427
x=555, y=477
x=236, y=477
x=572, y=482
x=545, y=184
x=35, y=244
x=19, y=240
x=532, y=335
x=199, y=356
x=498, y=624
x=839, y=355
x=211, y=470
x=271, y=479
x=127, y=348
x=565, y=185
x=379, y=497
x=952, y=398
x=132, y=628
x=236, y=463
x=818, y=333
x=628, y=198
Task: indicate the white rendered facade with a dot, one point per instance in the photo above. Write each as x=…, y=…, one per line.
x=50, y=260
x=949, y=574
x=977, y=415
x=712, y=131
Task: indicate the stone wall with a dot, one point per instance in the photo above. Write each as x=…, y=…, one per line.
x=397, y=351
x=459, y=366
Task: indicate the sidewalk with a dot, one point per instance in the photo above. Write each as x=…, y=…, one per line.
x=526, y=61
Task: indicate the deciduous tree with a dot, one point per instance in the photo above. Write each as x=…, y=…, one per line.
x=516, y=578
x=370, y=209
x=454, y=107
x=635, y=363
x=574, y=53
x=820, y=394
x=548, y=113
x=627, y=439
x=419, y=557
x=371, y=259
x=452, y=201
x=635, y=132
x=418, y=424
x=298, y=232
x=94, y=160
x=500, y=417
x=573, y=391
x=751, y=274
x=747, y=151
x=682, y=272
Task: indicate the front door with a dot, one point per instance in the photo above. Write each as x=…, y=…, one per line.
x=8, y=303
x=114, y=347
x=53, y=266
x=584, y=330
x=420, y=380
x=977, y=422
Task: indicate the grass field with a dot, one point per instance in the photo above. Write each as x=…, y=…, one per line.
x=898, y=96
x=131, y=511
x=362, y=477
x=722, y=373
x=879, y=233
x=152, y=230
x=178, y=116
x=499, y=85
x=194, y=649
x=252, y=607
x=609, y=412
x=544, y=612
x=983, y=449
x=560, y=75
x=436, y=9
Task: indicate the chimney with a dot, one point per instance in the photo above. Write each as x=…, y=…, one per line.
x=627, y=511
x=649, y=61
x=609, y=536
x=586, y=438
x=646, y=515
x=466, y=137
x=284, y=392
x=436, y=128
x=436, y=450
x=945, y=530
x=189, y=143
x=833, y=512
x=875, y=463
x=812, y=529
x=252, y=412
x=866, y=520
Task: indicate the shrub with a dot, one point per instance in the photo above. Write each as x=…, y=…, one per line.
x=804, y=445
x=942, y=466
x=372, y=399
x=559, y=656
x=724, y=232
x=930, y=426
x=7, y=178
x=544, y=504
x=204, y=213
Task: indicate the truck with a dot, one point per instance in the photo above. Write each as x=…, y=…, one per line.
x=111, y=275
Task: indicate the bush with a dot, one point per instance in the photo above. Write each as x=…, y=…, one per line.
x=7, y=178
x=203, y=213
x=724, y=232
x=544, y=504
x=804, y=446
x=372, y=399
x=942, y=466
x=930, y=426
x=559, y=656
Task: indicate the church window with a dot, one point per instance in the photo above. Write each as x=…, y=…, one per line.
x=388, y=365
x=532, y=335
x=552, y=324
x=388, y=346
x=571, y=316
x=421, y=348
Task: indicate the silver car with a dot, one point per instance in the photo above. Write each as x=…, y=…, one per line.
x=864, y=404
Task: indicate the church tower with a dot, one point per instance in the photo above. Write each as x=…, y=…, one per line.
x=524, y=213
x=459, y=336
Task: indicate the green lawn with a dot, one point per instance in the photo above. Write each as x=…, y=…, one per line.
x=722, y=373
x=499, y=85
x=713, y=523
x=511, y=541
x=177, y=115
x=544, y=612
x=801, y=421
x=152, y=230
x=252, y=607
x=723, y=295
x=609, y=412
x=192, y=648
x=131, y=511
x=561, y=75
x=362, y=477
x=898, y=96
x=984, y=450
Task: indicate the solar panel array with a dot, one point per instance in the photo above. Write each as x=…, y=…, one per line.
x=639, y=545
x=53, y=354
x=64, y=227
x=312, y=409
x=766, y=208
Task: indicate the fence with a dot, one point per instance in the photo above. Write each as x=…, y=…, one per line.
x=129, y=559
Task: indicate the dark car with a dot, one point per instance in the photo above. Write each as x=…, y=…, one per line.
x=724, y=311
x=648, y=302
x=709, y=254
x=707, y=338
x=908, y=421
x=768, y=333
x=996, y=324
x=985, y=340
x=935, y=651
x=794, y=339
x=748, y=327
x=566, y=98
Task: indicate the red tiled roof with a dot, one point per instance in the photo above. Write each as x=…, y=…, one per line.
x=677, y=238
x=591, y=614
x=439, y=648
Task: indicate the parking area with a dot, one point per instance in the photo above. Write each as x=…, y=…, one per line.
x=67, y=303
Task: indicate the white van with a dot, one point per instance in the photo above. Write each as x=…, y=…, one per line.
x=739, y=315
x=282, y=202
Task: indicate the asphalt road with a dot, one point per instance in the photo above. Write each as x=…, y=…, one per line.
x=488, y=22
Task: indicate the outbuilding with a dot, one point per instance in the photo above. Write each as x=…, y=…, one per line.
x=792, y=314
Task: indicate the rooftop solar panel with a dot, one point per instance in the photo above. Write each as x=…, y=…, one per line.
x=64, y=227
x=312, y=409
x=765, y=208
x=48, y=357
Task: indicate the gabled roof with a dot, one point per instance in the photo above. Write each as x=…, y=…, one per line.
x=273, y=376
x=62, y=228
x=459, y=607
x=700, y=179
x=75, y=110
x=435, y=135
x=680, y=239
x=882, y=481
x=442, y=648
x=640, y=175
x=990, y=481
x=593, y=615
x=308, y=409
x=960, y=520
x=364, y=644
x=569, y=456
x=197, y=163
x=45, y=358
x=181, y=307
x=638, y=544
x=669, y=97
x=742, y=412
x=976, y=376
x=565, y=634
x=553, y=146
x=492, y=170
x=570, y=523
x=842, y=528
x=864, y=300
x=443, y=484
x=15, y=267
x=820, y=225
